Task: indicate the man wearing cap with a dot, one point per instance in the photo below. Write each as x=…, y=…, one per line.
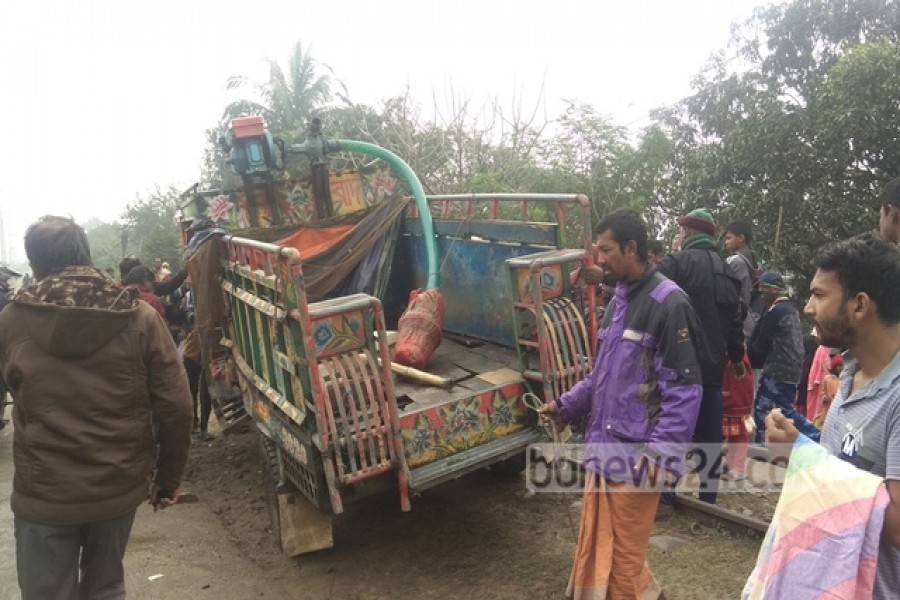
x=776, y=347
x=714, y=290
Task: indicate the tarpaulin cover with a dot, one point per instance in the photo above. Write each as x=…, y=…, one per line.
x=210, y=310
x=331, y=254
x=332, y=251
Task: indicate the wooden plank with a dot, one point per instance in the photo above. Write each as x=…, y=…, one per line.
x=475, y=385
x=443, y=367
x=502, y=376
x=465, y=359
x=505, y=356
x=429, y=396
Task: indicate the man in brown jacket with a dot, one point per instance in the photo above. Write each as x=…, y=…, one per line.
x=92, y=369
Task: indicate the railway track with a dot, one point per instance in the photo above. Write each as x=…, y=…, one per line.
x=762, y=470
x=710, y=515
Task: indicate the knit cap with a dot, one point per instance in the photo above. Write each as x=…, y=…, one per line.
x=700, y=219
x=772, y=283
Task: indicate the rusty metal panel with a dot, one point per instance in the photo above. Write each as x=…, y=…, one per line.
x=474, y=286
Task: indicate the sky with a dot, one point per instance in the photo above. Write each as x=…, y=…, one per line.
x=103, y=101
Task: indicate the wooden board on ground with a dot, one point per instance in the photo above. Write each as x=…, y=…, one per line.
x=303, y=527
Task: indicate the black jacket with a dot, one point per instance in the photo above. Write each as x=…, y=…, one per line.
x=714, y=290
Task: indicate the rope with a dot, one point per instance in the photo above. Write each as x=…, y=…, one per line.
x=534, y=403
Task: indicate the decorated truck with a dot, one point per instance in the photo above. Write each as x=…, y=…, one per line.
x=301, y=286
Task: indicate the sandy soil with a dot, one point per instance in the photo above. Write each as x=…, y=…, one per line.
x=482, y=536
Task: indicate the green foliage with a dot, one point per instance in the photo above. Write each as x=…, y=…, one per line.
x=797, y=132
x=802, y=138
x=150, y=228
x=289, y=99
x=105, y=240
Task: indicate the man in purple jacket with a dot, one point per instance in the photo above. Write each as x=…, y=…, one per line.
x=641, y=401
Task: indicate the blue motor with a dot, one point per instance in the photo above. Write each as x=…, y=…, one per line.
x=250, y=148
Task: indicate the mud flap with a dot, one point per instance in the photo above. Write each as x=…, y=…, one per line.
x=299, y=527
x=304, y=528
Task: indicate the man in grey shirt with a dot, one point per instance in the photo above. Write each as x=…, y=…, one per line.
x=738, y=237
x=855, y=303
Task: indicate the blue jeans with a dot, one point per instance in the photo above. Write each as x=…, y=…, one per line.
x=774, y=394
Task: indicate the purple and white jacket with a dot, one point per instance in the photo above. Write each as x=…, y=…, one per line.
x=643, y=394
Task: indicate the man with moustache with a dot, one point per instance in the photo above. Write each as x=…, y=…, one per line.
x=641, y=401
x=855, y=303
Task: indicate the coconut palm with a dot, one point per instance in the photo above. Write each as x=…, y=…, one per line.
x=287, y=100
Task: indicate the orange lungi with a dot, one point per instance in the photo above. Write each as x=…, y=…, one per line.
x=610, y=559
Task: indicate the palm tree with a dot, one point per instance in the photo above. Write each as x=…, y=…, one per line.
x=286, y=100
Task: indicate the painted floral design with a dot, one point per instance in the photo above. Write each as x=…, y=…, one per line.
x=383, y=183
x=323, y=334
x=502, y=412
x=455, y=427
x=339, y=334
x=220, y=208
x=423, y=439
x=380, y=185
x=548, y=280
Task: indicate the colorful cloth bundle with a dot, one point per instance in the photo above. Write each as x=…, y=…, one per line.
x=824, y=537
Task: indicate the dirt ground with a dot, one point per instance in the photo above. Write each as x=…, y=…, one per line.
x=482, y=536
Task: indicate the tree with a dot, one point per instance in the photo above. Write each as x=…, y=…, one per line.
x=150, y=228
x=105, y=240
x=802, y=137
x=289, y=99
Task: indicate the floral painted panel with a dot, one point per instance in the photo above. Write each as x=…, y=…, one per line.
x=454, y=427
x=339, y=333
x=551, y=282
x=351, y=192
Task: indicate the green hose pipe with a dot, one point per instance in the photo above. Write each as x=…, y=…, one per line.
x=417, y=191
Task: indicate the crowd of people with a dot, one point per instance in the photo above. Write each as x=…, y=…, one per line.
x=697, y=346
x=707, y=348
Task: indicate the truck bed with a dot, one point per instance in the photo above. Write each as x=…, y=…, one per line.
x=483, y=407
x=472, y=365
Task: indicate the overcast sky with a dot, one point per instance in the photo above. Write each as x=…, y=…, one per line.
x=103, y=100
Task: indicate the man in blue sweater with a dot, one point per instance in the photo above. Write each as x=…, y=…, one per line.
x=776, y=347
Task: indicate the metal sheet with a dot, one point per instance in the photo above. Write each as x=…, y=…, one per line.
x=473, y=283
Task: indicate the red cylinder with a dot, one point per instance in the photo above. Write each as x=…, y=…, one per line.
x=419, y=329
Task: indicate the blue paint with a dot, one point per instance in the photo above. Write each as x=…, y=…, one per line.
x=473, y=283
